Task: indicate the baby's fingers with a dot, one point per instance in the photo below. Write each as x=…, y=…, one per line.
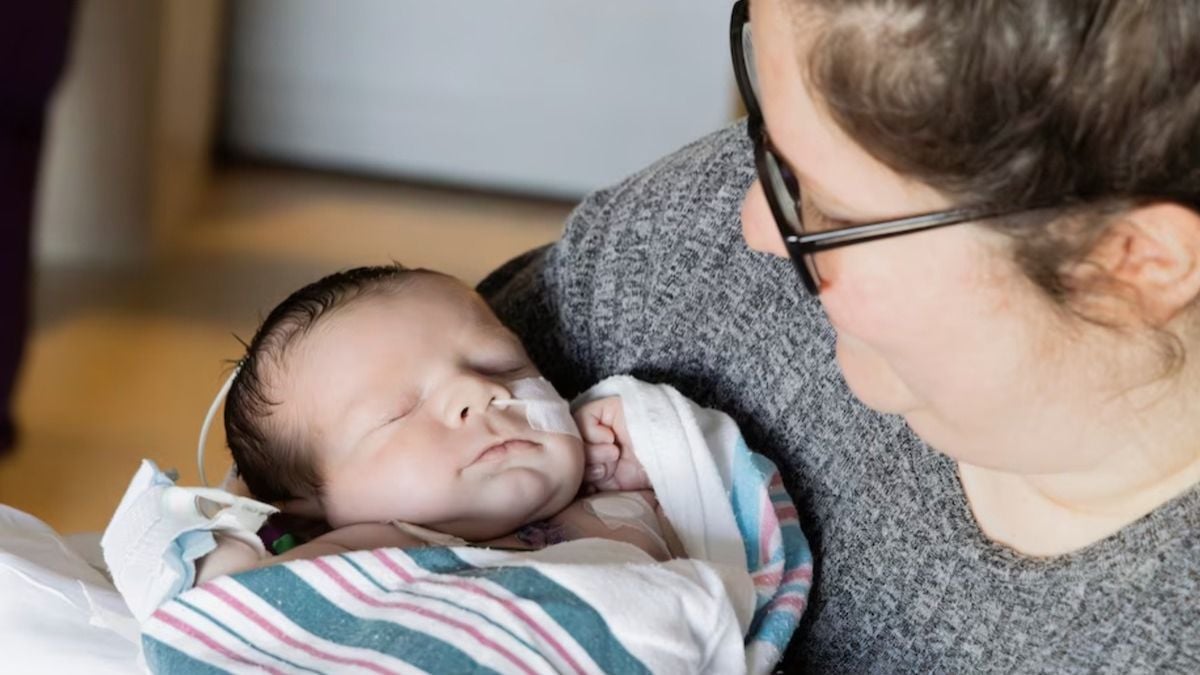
x=592, y=423
x=595, y=473
x=631, y=476
x=601, y=453
x=601, y=463
x=602, y=478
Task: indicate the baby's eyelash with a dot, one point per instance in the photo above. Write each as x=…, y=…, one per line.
x=501, y=368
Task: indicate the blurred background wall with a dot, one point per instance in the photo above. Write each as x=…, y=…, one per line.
x=543, y=97
x=131, y=130
x=552, y=97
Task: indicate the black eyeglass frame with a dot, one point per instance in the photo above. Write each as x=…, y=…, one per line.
x=801, y=246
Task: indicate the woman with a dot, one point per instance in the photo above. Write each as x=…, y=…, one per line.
x=1016, y=485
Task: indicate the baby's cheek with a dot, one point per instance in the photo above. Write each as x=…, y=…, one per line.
x=363, y=497
x=575, y=457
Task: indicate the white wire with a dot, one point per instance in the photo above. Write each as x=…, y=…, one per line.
x=208, y=419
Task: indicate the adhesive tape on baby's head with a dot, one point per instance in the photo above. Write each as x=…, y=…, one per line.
x=544, y=408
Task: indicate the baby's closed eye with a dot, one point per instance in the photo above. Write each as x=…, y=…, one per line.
x=404, y=407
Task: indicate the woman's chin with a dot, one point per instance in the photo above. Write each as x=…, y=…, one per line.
x=872, y=381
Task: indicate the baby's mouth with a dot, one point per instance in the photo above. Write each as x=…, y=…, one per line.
x=503, y=449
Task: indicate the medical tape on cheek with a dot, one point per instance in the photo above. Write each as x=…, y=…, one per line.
x=545, y=410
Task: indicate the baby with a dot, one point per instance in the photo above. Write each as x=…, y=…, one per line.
x=394, y=406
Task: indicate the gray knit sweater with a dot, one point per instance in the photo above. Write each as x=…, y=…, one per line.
x=652, y=278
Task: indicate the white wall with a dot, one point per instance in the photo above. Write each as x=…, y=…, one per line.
x=550, y=96
x=129, y=132
x=191, y=44
x=94, y=189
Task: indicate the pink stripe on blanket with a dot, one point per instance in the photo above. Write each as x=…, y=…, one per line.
x=194, y=633
x=796, y=603
x=345, y=585
x=768, y=532
x=278, y=634
x=802, y=573
x=771, y=577
x=787, y=512
x=472, y=588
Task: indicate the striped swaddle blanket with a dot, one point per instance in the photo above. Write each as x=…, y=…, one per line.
x=585, y=606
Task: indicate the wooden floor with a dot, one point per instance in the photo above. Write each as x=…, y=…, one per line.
x=124, y=362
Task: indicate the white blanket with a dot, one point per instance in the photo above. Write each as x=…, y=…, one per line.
x=57, y=613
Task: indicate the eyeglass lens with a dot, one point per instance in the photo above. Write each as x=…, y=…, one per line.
x=783, y=187
x=748, y=57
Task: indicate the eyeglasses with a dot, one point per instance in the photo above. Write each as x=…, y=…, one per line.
x=782, y=190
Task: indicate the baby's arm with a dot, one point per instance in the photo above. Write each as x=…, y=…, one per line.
x=233, y=555
x=612, y=464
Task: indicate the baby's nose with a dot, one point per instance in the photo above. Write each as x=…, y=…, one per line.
x=473, y=396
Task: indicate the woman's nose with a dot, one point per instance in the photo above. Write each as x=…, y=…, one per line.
x=470, y=396
x=758, y=225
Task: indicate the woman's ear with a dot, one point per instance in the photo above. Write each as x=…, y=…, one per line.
x=1146, y=267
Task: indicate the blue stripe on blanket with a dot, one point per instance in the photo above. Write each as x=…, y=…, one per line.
x=162, y=658
x=581, y=620
x=778, y=626
x=307, y=608
x=752, y=474
x=746, y=498
x=240, y=638
x=446, y=601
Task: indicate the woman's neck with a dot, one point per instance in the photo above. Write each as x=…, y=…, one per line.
x=1147, y=456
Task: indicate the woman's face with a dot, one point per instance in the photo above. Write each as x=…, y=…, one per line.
x=937, y=326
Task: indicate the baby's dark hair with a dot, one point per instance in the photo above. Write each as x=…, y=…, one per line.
x=277, y=464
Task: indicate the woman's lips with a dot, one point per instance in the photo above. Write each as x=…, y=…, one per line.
x=503, y=449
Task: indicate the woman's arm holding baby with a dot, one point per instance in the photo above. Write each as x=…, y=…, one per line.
x=233, y=555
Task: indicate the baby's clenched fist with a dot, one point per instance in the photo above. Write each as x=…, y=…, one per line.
x=611, y=464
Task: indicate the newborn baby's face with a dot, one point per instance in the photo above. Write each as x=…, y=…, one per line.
x=394, y=393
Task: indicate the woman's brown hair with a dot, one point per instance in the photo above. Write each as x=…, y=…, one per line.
x=1019, y=102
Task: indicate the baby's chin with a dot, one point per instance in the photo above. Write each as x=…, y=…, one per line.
x=528, y=502
x=494, y=525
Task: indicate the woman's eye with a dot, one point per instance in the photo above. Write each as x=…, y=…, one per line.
x=833, y=223
x=821, y=221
